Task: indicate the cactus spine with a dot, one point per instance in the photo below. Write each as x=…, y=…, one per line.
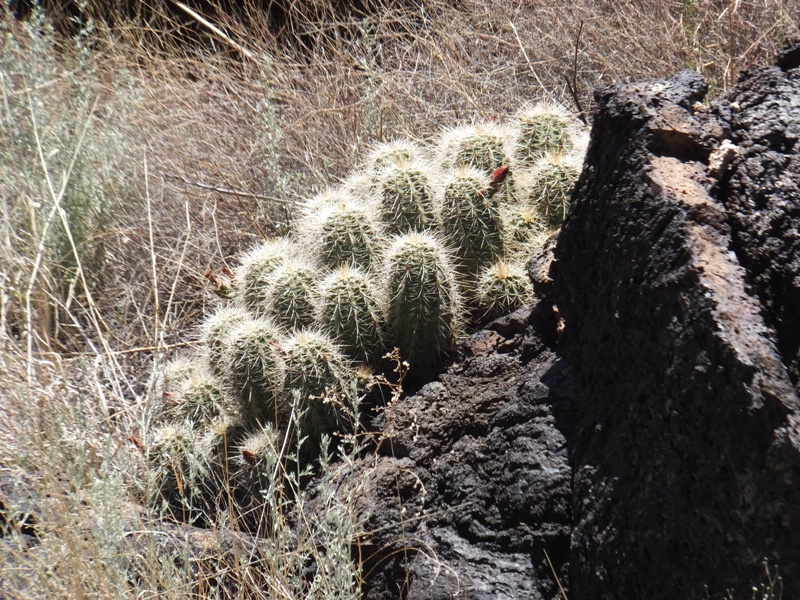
x=543, y=129
x=291, y=299
x=256, y=369
x=422, y=305
x=350, y=313
x=406, y=199
x=342, y=232
x=503, y=287
x=320, y=375
x=471, y=219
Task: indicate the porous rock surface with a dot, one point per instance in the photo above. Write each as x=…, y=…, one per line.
x=470, y=493
x=677, y=275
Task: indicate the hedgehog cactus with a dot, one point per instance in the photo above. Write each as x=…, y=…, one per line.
x=256, y=269
x=503, y=287
x=175, y=459
x=471, y=219
x=202, y=398
x=256, y=369
x=422, y=306
x=480, y=146
x=291, y=297
x=390, y=154
x=342, y=232
x=406, y=199
x=524, y=231
x=543, y=129
x=318, y=372
x=349, y=312
x=253, y=462
x=551, y=188
x=214, y=334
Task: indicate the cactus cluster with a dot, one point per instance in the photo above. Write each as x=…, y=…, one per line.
x=421, y=245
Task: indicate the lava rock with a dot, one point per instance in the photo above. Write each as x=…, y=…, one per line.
x=676, y=276
x=472, y=491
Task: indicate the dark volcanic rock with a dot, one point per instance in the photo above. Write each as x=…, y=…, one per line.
x=677, y=277
x=761, y=193
x=473, y=485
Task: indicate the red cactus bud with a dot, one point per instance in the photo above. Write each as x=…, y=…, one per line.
x=248, y=456
x=500, y=174
x=212, y=278
x=226, y=271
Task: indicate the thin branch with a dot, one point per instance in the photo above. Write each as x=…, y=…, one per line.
x=226, y=190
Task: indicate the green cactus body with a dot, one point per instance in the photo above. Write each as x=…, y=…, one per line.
x=168, y=385
x=214, y=334
x=551, y=188
x=406, y=199
x=256, y=369
x=482, y=147
x=524, y=231
x=471, y=220
x=544, y=129
x=256, y=269
x=391, y=154
x=292, y=298
x=176, y=461
x=350, y=313
x=320, y=374
x=219, y=442
x=422, y=306
x=202, y=399
x=503, y=287
x=343, y=233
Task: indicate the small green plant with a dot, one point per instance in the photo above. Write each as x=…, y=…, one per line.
x=423, y=308
x=349, y=312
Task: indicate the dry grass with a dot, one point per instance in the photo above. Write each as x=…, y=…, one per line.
x=133, y=160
